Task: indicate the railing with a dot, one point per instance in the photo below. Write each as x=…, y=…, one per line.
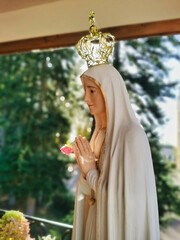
x=64, y=230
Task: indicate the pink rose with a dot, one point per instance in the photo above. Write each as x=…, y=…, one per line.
x=66, y=150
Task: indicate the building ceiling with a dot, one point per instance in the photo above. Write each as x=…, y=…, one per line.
x=32, y=19
x=12, y=5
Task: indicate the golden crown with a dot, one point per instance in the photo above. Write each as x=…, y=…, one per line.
x=96, y=47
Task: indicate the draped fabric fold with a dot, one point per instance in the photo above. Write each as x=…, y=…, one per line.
x=126, y=200
x=92, y=178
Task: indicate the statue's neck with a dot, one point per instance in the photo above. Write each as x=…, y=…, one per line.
x=100, y=120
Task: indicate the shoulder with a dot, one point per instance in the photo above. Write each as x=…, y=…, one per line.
x=135, y=130
x=136, y=148
x=136, y=136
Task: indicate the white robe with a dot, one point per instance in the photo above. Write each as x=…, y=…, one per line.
x=126, y=201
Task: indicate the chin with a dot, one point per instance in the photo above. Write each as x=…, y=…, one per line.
x=91, y=112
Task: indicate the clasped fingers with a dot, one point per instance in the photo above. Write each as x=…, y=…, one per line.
x=84, y=149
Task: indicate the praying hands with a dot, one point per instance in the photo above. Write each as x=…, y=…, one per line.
x=84, y=155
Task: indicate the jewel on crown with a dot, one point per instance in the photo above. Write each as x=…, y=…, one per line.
x=96, y=47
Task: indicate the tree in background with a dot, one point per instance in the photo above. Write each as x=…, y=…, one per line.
x=142, y=64
x=36, y=112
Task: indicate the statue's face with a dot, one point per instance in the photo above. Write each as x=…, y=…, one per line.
x=93, y=96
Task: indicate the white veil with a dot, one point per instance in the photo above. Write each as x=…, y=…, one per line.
x=126, y=193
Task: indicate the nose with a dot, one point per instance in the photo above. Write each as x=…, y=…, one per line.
x=86, y=97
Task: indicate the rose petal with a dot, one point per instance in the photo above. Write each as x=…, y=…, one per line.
x=66, y=150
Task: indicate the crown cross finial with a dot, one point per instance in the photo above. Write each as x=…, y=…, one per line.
x=93, y=29
x=96, y=47
x=91, y=17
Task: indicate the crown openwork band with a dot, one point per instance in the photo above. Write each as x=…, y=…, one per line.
x=95, y=47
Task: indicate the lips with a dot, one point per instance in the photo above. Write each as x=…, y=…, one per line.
x=90, y=105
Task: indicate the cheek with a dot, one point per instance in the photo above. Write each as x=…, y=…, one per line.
x=97, y=100
x=101, y=103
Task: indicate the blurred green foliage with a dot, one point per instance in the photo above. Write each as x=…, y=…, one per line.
x=36, y=111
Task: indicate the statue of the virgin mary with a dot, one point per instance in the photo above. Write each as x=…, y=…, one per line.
x=116, y=192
